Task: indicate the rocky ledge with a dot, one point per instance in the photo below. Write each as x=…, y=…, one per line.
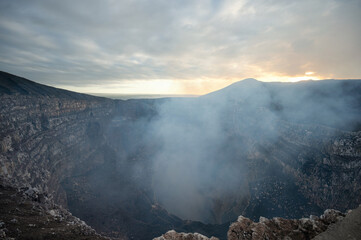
x=332, y=224
x=280, y=228
x=28, y=213
x=173, y=235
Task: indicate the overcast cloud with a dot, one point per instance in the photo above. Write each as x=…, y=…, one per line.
x=83, y=43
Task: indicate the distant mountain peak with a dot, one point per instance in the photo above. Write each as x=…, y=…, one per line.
x=245, y=82
x=249, y=80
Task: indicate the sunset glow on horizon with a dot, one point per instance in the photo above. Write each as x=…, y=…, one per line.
x=180, y=87
x=178, y=47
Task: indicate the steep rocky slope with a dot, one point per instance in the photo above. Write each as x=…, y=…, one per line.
x=138, y=168
x=27, y=213
x=349, y=228
x=48, y=134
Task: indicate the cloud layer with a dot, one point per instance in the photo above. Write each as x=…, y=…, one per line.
x=93, y=43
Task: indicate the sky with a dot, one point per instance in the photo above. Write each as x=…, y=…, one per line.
x=178, y=47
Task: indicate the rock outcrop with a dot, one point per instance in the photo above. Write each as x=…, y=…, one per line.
x=347, y=229
x=173, y=235
x=280, y=228
x=332, y=224
x=28, y=213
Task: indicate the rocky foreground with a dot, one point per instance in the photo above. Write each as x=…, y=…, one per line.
x=331, y=225
x=280, y=228
x=27, y=213
x=173, y=235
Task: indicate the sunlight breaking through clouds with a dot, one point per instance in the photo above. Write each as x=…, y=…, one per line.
x=210, y=43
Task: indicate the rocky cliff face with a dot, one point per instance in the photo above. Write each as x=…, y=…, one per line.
x=300, y=145
x=304, y=161
x=48, y=135
x=131, y=168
